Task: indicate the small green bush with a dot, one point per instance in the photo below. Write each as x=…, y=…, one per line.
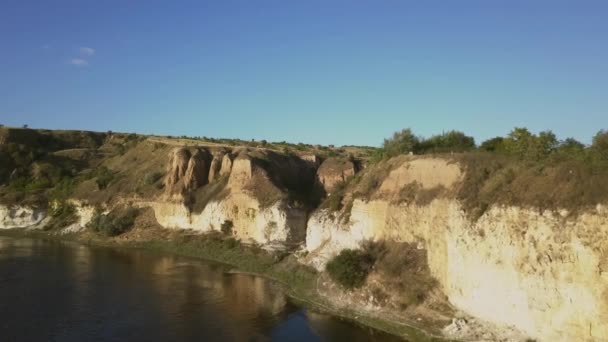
x=600, y=143
x=227, y=227
x=350, y=268
x=334, y=201
x=104, y=177
x=62, y=215
x=114, y=223
x=401, y=142
x=28, y=184
x=62, y=190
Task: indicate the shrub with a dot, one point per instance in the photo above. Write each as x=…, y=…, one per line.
x=104, y=177
x=62, y=215
x=334, y=201
x=600, y=143
x=525, y=145
x=350, y=268
x=493, y=145
x=62, y=190
x=114, y=223
x=227, y=227
x=451, y=141
x=401, y=142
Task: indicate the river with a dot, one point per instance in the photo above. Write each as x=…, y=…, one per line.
x=61, y=291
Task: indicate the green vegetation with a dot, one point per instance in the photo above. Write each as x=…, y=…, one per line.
x=334, y=201
x=62, y=215
x=350, y=268
x=600, y=144
x=405, y=141
x=115, y=222
x=103, y=177
x=404, y=271
x=401, y=142
x=519, y=143
x=227, y=227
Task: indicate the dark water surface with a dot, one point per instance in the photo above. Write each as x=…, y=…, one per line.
x=57, y=291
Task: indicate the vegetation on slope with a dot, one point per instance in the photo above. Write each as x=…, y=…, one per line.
x=115, y=222
x=521, y=169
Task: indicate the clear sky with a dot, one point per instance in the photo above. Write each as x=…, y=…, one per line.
x=330, y=72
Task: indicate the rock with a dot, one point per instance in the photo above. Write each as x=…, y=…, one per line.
x=216, y=165
x=197, y=171
x=20, y=217
x=226, y=165
x=333, y=171
x=242, y=171
x=178, y=163
x=311, y=159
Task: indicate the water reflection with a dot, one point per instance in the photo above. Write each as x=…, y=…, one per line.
x=54, y=291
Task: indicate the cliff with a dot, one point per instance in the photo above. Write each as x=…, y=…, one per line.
x=516, y=246
x=543, y=272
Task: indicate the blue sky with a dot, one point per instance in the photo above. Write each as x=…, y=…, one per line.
x=331, y=72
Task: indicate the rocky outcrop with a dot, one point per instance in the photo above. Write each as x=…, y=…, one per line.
x=216, y=165
x=20, y=217
x=239, y=212
x=242, y=172
x=197, y=172
x=312, y=159
x=84, y=214
x=241, y=215
x=178, y=164
x=334, y=171
x=187, y=171
x=226, y=165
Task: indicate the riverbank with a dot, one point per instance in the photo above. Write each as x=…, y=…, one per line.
x=299, y=281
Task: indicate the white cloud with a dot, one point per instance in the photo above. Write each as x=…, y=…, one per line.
x=79, y=62
x=86, y=51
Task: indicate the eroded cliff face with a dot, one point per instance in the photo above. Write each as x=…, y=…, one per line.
x=333, y=171
x=543, y=273
x=234, y=208
x=20, y=217
x=242, y=214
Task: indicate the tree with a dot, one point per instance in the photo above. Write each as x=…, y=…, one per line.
x=25, y=126
x=546, y=142
x=570, y=148
x=526, y=145
x=518, y=141
x=451, y=141
x=401, y=142
x=496, y=144
x=264, y=142
x=600, y=143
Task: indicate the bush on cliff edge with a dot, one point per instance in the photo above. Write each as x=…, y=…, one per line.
x=350, y=268
x=115, y=222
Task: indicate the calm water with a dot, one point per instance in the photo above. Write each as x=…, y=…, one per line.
x=54, y=291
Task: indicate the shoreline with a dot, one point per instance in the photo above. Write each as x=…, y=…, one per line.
x=298, y=284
